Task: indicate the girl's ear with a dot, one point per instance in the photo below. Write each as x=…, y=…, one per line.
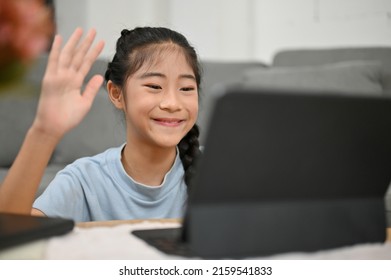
x=115, y=95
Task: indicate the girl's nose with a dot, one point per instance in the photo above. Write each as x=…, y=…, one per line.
x=170, y=101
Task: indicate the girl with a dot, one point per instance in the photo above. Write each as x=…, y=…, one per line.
x=153, y=79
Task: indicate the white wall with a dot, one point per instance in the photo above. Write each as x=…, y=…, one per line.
x=70, y=14
x=219, y=29
x=237, y=29
x=320, y=23
x=109, y=17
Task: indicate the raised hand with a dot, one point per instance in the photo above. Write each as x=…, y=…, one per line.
x=62, y=103
x=62, y=106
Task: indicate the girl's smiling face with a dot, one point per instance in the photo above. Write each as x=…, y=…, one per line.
x=160, y=100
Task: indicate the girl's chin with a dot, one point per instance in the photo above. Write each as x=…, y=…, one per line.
x=168, y=142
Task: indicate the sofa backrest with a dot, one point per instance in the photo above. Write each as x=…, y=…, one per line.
x=321, y=56
x=17, y=110
x=100, y=129
x=215, y=74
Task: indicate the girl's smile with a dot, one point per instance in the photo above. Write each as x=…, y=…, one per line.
x=169, y=122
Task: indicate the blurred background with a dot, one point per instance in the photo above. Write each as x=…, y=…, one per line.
x=232, y=30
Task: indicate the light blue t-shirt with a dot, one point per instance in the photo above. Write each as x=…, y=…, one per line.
x=98, y=188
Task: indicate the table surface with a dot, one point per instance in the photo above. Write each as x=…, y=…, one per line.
x=113, y=240
x=120, y=222
x=113, y=223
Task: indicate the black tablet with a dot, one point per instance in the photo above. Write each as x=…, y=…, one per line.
x=16, y=229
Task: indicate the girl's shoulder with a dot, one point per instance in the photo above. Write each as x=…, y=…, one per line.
x=102, y=159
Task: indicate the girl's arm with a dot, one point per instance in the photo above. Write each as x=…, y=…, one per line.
x=62, y=106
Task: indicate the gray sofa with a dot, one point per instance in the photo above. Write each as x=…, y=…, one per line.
x=351, y=70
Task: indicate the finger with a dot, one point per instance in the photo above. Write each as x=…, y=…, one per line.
x=83, y=49
x=69, y=48
x=54, y=54
x=91, y=57
x=92, y=88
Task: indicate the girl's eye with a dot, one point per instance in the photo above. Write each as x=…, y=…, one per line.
x=156, y=87
x=187, y=89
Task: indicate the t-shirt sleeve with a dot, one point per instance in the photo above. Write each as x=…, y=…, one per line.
x=64, y=197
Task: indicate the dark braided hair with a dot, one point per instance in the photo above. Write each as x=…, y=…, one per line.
x=189, y=152
x=143, y=45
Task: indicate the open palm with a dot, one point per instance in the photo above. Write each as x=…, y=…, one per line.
x=63, y=103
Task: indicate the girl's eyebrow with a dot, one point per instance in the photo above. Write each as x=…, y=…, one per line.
x=151, y=74
x=161, y=75
x=187, y=76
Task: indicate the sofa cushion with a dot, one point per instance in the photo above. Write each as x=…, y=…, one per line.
x=17, y=111
x=98, y=68
x=319, y=56
x=215, y=74
x=357, y=77
x=102, y=128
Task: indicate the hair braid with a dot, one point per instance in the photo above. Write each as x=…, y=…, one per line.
x=189, y=151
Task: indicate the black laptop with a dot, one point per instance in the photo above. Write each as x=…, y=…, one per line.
x=17, y=229
x=285, y=171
